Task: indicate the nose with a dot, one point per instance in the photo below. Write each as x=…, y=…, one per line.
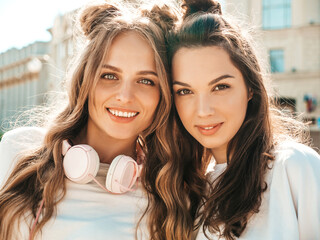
x=125, y=92
x=205, y=106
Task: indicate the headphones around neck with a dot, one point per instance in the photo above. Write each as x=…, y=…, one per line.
x=81, y=164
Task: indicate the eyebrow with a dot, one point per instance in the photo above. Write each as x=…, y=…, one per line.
x=220, y=78
x=147, y=73
x=112, y=68
x=210, y=83
x=120, y=71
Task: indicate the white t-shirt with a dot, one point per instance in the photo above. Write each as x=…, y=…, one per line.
x=87, y=211
x=290, y=207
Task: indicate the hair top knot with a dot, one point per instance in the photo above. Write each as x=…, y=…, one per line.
x=94, y=15
x=193, y=6
x=163, y=16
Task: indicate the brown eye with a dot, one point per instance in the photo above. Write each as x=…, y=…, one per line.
x=184, y=92
x=221, y=87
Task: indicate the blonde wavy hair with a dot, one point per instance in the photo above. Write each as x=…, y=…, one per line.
x=40, y=176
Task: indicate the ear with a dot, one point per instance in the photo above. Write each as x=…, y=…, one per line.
x=250, y=94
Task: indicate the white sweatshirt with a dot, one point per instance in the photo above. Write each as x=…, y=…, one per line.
x=87, y=211
x=290, y=208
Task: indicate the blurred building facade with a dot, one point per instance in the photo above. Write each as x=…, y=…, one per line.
x=62, y=49
x=291, y=36
x=28, y=74
x=23, y=79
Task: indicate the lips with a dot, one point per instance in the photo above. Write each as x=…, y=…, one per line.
x=119, y=113
x=122, y=115
x=209, y=129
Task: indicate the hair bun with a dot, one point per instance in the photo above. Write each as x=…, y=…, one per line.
x=193, y=6
x=163, y=16
x=92, y=16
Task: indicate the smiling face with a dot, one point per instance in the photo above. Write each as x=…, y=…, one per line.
x=127, y=94
x=210, y=96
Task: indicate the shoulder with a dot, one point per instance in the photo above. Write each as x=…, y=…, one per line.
x=296, y=176
x=24, y=133
x=20, y=139
x=14, y=143
x=294, y=156
x=299, y=164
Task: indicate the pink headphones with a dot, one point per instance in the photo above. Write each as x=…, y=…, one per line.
x=81, y=164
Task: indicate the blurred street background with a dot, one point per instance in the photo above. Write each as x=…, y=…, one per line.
x=35, y=55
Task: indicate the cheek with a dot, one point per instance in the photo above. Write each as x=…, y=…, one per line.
x=92, y=109
x=242, y=106
x=98, y=95
x=150, y=99
x=237, y=109
x=96, y=99
x=184, y=110
x=236, y=102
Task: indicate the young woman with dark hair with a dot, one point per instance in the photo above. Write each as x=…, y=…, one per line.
x=118, y=104
x=264, y=179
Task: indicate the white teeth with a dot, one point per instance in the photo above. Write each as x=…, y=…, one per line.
x=207, y=128
x=122, y=114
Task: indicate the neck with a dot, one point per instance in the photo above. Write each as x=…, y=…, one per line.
x=106, y=146
x=220, y=154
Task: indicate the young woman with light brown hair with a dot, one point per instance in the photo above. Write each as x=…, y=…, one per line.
x=119, y=102
x=264, y=182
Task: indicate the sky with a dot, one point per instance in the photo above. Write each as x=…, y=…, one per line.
x=25, y=21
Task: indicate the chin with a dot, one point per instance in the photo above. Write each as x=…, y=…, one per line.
x=122, y=135
x=211, y=145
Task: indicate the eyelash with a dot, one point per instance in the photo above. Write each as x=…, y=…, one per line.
x=182, y=92
x=149, y=82
x=220, y=87
x=144, y=81
x=106, y=76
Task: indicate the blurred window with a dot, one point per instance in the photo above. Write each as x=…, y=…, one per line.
x=277, y=60
x=276, y=14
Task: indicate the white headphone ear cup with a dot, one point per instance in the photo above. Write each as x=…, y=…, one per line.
x=80, y=162
x=123, y=171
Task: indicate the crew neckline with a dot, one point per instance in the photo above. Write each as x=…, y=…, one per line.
x=220, y=166
x=214, y=166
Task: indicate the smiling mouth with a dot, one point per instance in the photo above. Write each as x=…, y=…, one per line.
x=209, y=129
x=122, y=114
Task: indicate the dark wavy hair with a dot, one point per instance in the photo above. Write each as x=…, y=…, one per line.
x=237, y=193
x=39, y=175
